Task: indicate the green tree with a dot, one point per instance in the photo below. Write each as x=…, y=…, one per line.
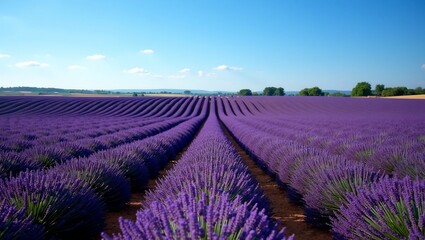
x=395, y=91
x=378, y=89
x=134, y=94
x=362, y=89
x=314, y=91
x=245, y=92
x=279, y=92
x=269, y=91
x=273, y=91
x=419, y=90
x=187, y=92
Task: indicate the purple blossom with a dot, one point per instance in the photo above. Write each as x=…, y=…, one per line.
x=390, y=209
x=14, y=224
x=65, y=206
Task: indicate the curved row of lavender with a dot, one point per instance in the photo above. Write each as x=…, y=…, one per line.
x=209, y=194
x=69, y=199
x=30, y=148
x=344, y=159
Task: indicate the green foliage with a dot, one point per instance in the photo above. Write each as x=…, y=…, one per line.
x=187, y=92
x=273, y=91
x=337, y=94
x=245, y=92
x=378, y=89
x=362, y=89
x=396, y=91
x=314, y=91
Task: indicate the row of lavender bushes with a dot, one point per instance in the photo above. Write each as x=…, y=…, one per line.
x=372, y=191
x=69, y=200
x=23, y=131
x=209, y=194
x=63, y=149
x=129, y=107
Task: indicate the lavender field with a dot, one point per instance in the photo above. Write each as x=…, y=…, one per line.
x=355, y=165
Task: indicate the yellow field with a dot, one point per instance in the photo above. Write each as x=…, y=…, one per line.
x=420, y=96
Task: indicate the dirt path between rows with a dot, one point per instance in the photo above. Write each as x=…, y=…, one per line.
x=290, y=215
x=136, y=201
x=137, y=198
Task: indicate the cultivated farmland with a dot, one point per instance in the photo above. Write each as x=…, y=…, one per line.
x=356, y=167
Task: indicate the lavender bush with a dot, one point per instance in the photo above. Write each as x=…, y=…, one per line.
x=65, y=206
x=331, y=189
x=14, y=224
x=390, y=209
x=191, y=218
x=106, y=180
x=12, y=163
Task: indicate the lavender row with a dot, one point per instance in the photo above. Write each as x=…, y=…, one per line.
x=42, y=156
x=332, y=183
x=70, y=200
x=23, y=131
x=208, y=194
x=135, y=107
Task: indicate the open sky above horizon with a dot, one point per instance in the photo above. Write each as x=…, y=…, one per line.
x=212, y=45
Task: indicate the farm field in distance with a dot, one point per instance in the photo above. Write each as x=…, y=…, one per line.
x=206, y=167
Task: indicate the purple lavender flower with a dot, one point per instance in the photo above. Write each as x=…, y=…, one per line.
x=65, y=206
x=191, y=218
x=12, y=163
x=106, y=180
x=47, y=156
x=133, y=168
x=331, y=189
x=390, y=209
x=16, y=225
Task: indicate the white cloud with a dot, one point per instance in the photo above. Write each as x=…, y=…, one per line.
x=423, y=66
x=200, y=73
x=75, y=67
x=177, y=76
x=136, y=70
x=147, y=51
x=227, y=68
x=4, y=55
x=96, y=57
x=184, y=70
x=29, y=64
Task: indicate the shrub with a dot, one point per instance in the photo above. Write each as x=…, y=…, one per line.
x=106, y=180
x=16, y=225
x=133, y=168
x=330, y=191
x=65, y=206
x=187, y=217
x=310, y=172
x=12, y=163
x=47, y=156
x=412, y=166
x=390, y=209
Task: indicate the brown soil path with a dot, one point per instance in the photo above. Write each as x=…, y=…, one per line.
x=136, y=201
x=290, y=215
x=137, y=198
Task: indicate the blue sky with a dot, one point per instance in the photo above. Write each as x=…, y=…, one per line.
x=212, y=45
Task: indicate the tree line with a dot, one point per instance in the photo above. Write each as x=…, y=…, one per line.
x=268, y=91
x=365, y=89
x=361, y=89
